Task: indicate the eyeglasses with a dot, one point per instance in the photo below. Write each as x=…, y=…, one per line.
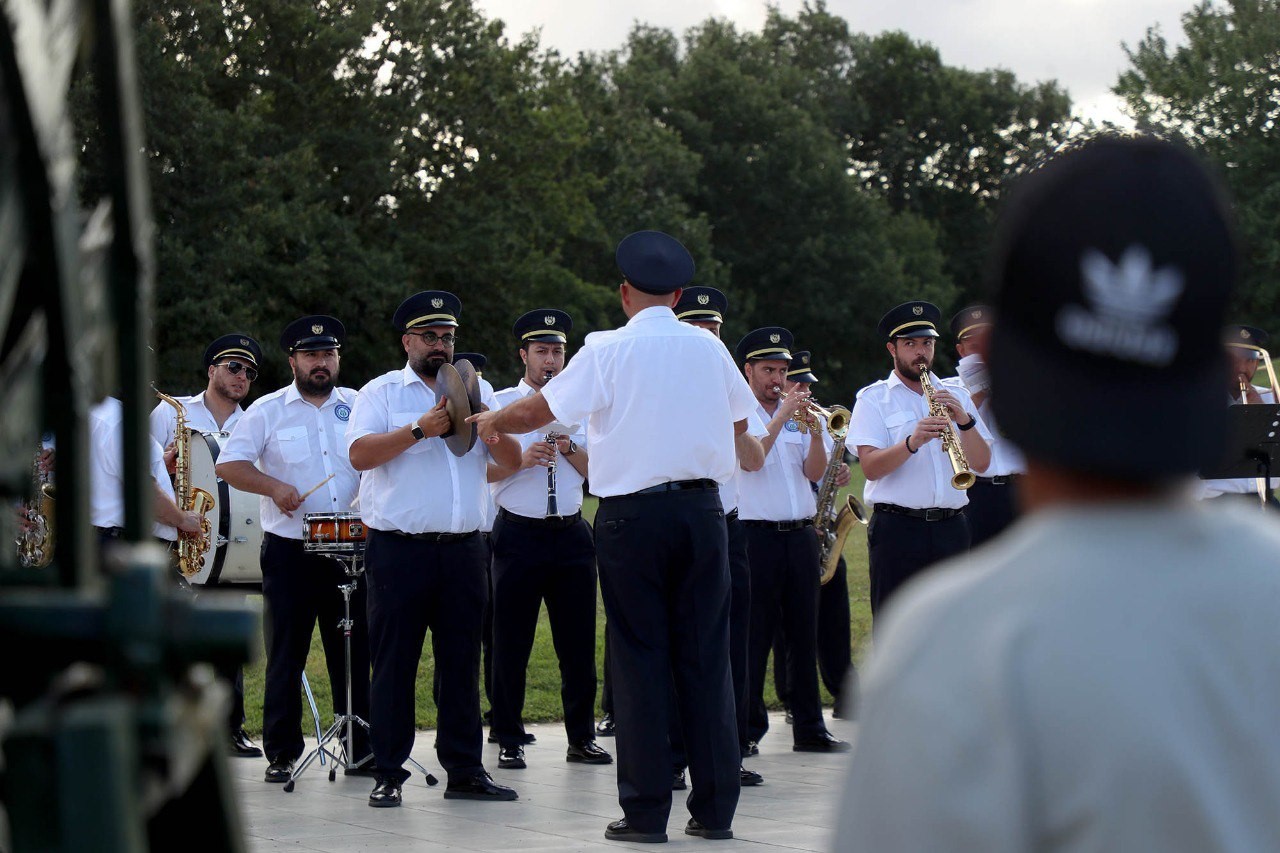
x=429, y=338
x=234, y=368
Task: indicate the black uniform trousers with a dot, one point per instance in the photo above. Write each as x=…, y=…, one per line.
x=299, y=589
x=486, y=632
x=739, y=635
x=900, y=546
x=835, y=643
x=606, y=682
x=664, y=574
x=784, y=591
x=416, y=584
x=536, y=560
x=992, y=507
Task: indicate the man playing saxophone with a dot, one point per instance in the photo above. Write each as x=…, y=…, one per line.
x=917, y=518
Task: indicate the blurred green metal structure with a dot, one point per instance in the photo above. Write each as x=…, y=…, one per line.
x=111, y=732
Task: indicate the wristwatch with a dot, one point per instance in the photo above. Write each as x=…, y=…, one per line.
x=418, y=434
x=573, y=448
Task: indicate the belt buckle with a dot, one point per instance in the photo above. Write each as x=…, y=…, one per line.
x=934, y=514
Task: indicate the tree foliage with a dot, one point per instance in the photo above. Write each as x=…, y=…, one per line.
x=1220, y=93
x=335, y=157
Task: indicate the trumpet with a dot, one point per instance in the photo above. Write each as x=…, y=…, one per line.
x=812, y=417
x=962, y=477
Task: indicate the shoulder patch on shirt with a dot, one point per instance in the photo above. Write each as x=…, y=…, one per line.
x=342, y=412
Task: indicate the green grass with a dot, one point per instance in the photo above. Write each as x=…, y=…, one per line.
x=542, y=698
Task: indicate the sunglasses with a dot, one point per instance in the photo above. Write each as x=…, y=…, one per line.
x=431, y=338
x=234, y=368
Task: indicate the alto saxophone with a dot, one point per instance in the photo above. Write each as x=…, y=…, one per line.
x=36, y=531
x=191, y=546
x=833, y=527
x=962, y=477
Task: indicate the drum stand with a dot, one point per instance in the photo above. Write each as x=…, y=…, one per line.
x=354, y=566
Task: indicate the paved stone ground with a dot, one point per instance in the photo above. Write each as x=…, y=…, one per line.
x=562, y=806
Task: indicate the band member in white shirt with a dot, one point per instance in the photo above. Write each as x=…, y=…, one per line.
x=290, y=443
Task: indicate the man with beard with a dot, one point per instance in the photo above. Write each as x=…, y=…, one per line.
x=917, y=517
x=231, y=363
x=777, y=507
x=295, y=437
x=541, y=556
x=425, y=560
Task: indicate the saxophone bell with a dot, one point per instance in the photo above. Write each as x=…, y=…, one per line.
x=962, y=477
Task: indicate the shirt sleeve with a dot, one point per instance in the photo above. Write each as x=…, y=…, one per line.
x=755, y=426
x=866, y=425
x=742, y=401
x=164, y=421
x=370, y=415
x=248, y=437
x=579, y=389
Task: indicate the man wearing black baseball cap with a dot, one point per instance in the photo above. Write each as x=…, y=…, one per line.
x=917, y=517
x=1096, y=678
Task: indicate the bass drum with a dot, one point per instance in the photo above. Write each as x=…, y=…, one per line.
x=233, y=558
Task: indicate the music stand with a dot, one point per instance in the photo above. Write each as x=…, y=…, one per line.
x=353, y=564
x=1253, y=445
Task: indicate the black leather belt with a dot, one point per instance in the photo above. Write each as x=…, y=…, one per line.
x=556, y=523
x=1000, y=480
x=433, y=537
x=782, y=526
x=110, y=532
x=930, y=514
x=673, y=486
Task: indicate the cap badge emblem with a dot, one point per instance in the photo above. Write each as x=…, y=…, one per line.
x=703, y=298
x=917, y=310
x=775, y=338
x=549, y=321
x=976, y=315
x=805, y=359
x=243, y=342
x=437, y=302
x=1244, y=333
x=317, y=329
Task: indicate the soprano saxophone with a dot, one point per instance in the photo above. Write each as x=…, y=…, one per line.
x=963, y=477
x=36, y=534
x=191, y=546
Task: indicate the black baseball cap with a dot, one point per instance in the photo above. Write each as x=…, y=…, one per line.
x=1112, y=268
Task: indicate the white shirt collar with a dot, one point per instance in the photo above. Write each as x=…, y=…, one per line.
x=525, y=388
x=293, y=395
x=408, y=376
x=653, y=313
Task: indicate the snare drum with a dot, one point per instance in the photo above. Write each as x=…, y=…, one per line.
x=333, y=533
x=234, y=558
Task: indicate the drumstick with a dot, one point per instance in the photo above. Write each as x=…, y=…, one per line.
x=313, y=489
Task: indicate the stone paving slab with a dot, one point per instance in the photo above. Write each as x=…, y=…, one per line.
x=562, y=806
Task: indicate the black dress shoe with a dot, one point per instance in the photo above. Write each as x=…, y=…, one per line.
x=587, y=752
x=385, y=794
x=511, y=758
x=368, y=769
x=243, y=747
x=825, y=742
x=677, y=781
x=753, y=748
x=280, y=770
x=525, y=739
x=478, y=787
x=748, y=778
x=787, y=718
x=606, y=727
x=695, y=828
x=620, y=830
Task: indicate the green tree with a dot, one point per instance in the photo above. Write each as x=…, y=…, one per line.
x=1220, y=93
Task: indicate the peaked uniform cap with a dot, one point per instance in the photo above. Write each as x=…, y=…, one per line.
x=654, y=262
x=768, y=343
x=428, y=308
x=477, y=360
x=801, y=369
x=311, y=333
x=910, y=320
x=971, y=319
x=549, y=325
x=701, y=303
x=236, y=345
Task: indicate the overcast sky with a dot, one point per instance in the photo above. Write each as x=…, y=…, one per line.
x=1077, y=42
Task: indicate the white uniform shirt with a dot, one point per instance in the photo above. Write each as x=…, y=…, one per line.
x=1097, y=679
x=490, y=509
x=660, y=398
x=164, y=418
x=1242, y=485
x=779, y=491
x=106, y=470
x=730, y=490
x=1005, y=458
x=426, y=489
x=525, y=492
x=299, y=444
x=885, y=413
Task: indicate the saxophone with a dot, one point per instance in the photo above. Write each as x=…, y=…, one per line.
x=963, y=477
x=35, y=517
x=191, y=546
x=831, y=525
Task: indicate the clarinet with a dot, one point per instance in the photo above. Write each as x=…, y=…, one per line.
x=553, y=510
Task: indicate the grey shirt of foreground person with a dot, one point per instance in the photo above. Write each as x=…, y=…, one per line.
x=1102, y=677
